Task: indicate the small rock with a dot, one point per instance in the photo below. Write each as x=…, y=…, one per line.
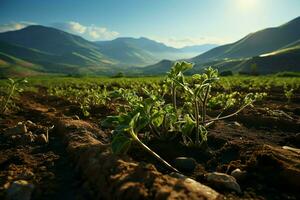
x=75, y=117
x=198, y=188
x=185, y=164
x=239, y=174
x=223, y=181
x=6, y=185
x=237, y=124
x=20, y=190
x=177, y=175
x=296, y=150
x=41, y=139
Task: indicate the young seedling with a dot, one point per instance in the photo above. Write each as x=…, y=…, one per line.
x=176, y=73
x=154, y=117
x=13, y=86
x=289, y=93
x=121, y=143
x=199, y=94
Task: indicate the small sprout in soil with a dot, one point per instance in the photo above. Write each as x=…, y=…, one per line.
x=186, y=116
x=289, y=93
x=122, y=143
x=13, y=85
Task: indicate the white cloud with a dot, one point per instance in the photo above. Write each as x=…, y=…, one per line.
x=189, y=41
x=12, y=26
x=91, y=32
x=76, y=27
x=101, y=33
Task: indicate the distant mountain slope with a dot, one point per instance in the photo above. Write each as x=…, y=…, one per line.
x=24, y=53
x=39, y=49
x=254, y=44
x=287, y=59
x=279, y=47
x=47, y=39
x=143, y=51
x=159, y=68
x=58, y=51
x=11, y=66
x=129, y=50
x=64, y=47
x=198, y=48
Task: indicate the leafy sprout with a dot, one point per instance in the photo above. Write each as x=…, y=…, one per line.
x=121, y=143
x=186, y=115
x=176, y=73
x=289, y=93
x=13, y=85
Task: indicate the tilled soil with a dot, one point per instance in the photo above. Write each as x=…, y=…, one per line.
x=66, y=167
x=47, y=166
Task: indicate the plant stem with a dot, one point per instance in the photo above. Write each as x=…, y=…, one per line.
x=134, y=136
x=197, y=121
x=154, y=129
x=227, y=116
x=204, y=105
x=8, y=97
x=174, y=96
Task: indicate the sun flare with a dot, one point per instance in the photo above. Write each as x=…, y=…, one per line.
x=247, y=4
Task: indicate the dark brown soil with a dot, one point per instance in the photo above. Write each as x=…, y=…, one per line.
x=47, y=166
x=250, y=141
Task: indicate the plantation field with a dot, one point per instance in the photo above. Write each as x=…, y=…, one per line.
x=152, y=137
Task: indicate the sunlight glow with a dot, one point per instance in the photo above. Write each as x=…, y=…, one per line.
x=247, y=4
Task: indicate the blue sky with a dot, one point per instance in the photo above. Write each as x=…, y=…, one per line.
x=174, y=22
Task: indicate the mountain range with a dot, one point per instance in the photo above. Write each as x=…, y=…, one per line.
x=270, y=50
x=38, y=50
x=143, y=51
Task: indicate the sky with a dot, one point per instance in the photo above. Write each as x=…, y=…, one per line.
x=176, y=23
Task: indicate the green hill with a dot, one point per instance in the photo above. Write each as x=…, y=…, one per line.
x=38, y=49
x=143, y=51
x=255, y=44
x=128, y=51
x=54, y=50
x=287, y=59
x=271, y=50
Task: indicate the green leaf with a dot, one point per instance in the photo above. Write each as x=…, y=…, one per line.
x=11, y=81
x=188, y=125
x=110, y=121
x=179, y=67
x=142, y=122
x=186, y=66
x=158, y=118
x=134, y=120
x=120, y=144
x=211, y=80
